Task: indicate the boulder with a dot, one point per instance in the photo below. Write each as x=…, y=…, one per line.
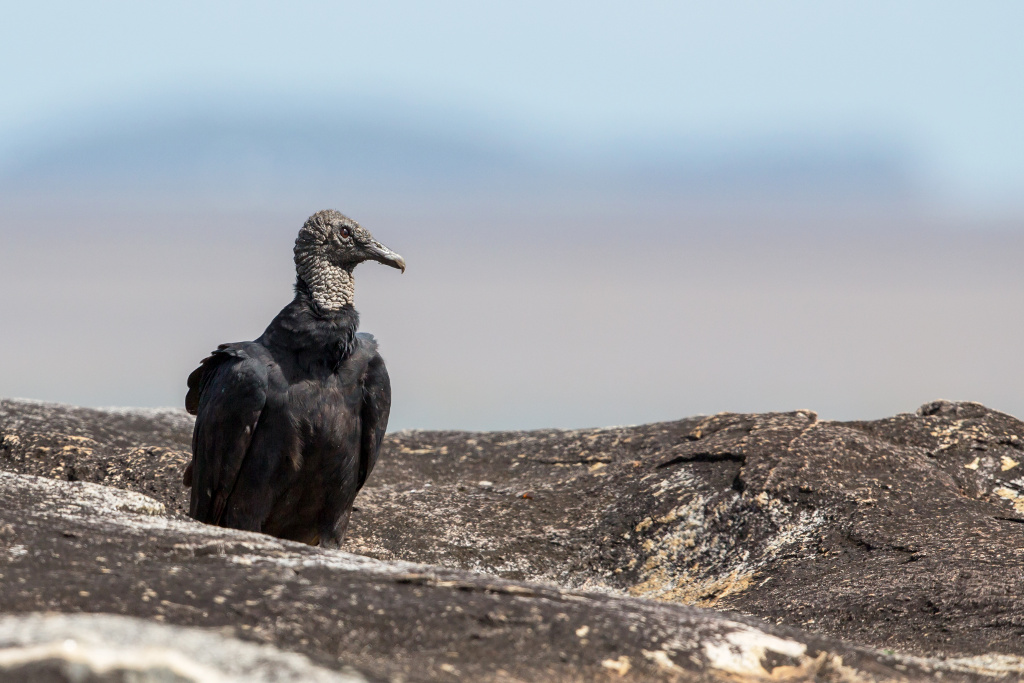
x=80, y=547
x=904, y=535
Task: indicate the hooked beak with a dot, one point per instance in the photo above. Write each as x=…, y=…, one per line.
x=378, y=252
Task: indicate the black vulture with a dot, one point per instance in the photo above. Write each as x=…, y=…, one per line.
x=288, y=427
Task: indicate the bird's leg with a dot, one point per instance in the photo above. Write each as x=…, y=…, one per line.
x=333, y=533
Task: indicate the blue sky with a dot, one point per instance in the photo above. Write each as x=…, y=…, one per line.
x=942, y=82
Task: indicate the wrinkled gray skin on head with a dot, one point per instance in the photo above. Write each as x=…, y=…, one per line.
x=329, y=246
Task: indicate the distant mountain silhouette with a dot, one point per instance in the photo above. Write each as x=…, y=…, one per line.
x=228, y=150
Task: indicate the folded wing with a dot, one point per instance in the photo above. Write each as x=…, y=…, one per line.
x=226, y=393
x=376, y=408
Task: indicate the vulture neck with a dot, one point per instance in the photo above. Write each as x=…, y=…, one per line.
x=311, y=338
x=330, y=287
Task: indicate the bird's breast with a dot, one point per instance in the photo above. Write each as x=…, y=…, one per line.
x=326, y=417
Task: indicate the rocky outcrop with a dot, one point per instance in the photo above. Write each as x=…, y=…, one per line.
x=904, y=534
x=77, y=547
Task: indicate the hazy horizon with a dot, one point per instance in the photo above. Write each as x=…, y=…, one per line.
x=516, y=332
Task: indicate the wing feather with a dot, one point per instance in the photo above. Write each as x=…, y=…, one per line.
x=227, y=394
x=374, y=413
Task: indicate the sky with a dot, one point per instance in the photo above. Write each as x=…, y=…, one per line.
x=941, y=82
x=612, y=213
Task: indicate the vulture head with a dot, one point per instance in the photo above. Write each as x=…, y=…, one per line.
x=329, y=246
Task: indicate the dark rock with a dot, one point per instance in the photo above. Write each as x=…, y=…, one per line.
x=125, y=554
x=905, y=533
x=139, y=450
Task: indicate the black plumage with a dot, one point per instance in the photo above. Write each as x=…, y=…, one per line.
x=289, y=426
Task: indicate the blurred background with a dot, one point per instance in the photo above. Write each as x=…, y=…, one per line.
x=612, y=212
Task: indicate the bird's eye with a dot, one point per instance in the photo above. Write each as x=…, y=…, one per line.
x=345, y=232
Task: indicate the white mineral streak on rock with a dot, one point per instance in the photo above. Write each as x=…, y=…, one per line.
x=16, y=551
x=103, y=644
x=80, y=499
x=99, y=660
x=335, y=560
x=98, y=505
x=992, y=664
x=741, y=651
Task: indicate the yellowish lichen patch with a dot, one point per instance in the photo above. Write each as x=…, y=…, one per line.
x=661, y=585
x=673, y=559
x=1013, y=497
x=662, y=659
x=672, y=516
x=620, y=666
x=415, y=451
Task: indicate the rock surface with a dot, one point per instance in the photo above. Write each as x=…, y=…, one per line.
x=101, y=647
x=904, y=533
x=76, y=547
